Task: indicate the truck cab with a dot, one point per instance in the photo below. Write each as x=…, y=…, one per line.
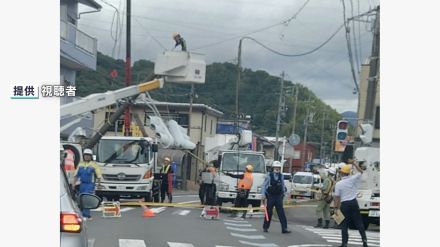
x=127, y=167
x=234, y=162
x=368, y=195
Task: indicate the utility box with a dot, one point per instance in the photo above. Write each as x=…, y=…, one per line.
x=181, y=67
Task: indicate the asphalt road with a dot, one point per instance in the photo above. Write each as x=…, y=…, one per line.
x=183, y=227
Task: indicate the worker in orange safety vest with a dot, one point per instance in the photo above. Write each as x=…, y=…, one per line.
x=244, y=185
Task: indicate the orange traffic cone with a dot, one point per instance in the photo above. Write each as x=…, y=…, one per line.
x=148, y=212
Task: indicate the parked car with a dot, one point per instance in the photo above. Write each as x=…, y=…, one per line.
x=73, y=230
x=288, y=184
x=303, y=183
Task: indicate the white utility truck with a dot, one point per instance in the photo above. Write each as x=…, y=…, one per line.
x=235, y=161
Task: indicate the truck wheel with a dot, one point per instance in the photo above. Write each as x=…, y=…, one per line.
x=147, y=197
x=256, y=204
x=366, y=221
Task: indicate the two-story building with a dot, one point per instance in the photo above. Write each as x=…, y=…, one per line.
x=78, y=51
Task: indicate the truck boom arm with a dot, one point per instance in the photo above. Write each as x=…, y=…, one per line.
x=96, y=101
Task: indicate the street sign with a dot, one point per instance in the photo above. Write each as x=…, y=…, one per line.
x=294, y=139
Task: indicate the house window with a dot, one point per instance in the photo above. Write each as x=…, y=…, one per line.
x=211, y=127
x=183, y=120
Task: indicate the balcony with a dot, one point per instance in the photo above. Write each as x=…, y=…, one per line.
x=78, y=50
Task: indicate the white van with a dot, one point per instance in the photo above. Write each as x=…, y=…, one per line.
x=304, y=183
x=288, y=184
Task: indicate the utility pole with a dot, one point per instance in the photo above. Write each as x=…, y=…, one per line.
x=305, y=131
x=127, y=117
x=237, y=86
x=374, y=70
x=321, y=152
x=184, y=171
x=294, y=109
x=280, y=102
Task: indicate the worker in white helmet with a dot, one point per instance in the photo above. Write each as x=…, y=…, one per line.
x=272, y=194
x=179, y=41
x=88, y=173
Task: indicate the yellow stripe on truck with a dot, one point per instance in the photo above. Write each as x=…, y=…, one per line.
x=148, y=86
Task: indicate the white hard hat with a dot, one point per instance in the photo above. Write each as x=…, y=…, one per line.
x=88, y=151
x=276, y=163
x=332, y=170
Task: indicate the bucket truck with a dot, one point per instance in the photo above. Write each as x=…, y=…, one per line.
x=128, y=163
x=233, y=157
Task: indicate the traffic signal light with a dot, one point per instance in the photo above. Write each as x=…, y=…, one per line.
x=367, y=133
x=342, y=130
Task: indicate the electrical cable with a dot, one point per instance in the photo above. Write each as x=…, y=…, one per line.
x=285, y=22
x=157, y=41
x=350, y=55
x=354, y=39
x=300, y=54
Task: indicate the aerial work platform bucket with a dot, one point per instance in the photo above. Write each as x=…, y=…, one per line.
x=181, y=67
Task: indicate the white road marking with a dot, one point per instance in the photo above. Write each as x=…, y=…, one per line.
x=91, y=242
x=173, y=244
x=248, y=236
x=310, y=245
x=334, y=236
x=184, y=212
x=126, y=209
x=233, y=224
x=236, y=221
x=158, y=210
x=131, y=243
x=242, y=229
x=350, y=238
x=351, y=242
x=259, y=245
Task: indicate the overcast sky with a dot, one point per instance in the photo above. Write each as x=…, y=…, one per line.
x=213, y=28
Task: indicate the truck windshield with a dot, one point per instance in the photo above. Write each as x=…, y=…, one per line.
x=301, y=179
x=123, y=151
x=231, y=160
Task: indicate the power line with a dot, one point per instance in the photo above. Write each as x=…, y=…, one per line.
x=157, y=41
x=285, y=22
x=354, y=39
x=300, y=54
x=350, y=55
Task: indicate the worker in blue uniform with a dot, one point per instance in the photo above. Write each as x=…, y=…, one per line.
x=88, y=174
x=274, y=190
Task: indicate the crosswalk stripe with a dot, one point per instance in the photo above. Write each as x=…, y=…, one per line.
x=351, y=238
x=181, y=212
x=126, y=209
x=351, y=242
x=131, y=243
x=259, y=245
x=242, y=229
x=233, y=224
x=236, y=221
x=91, y=242
x=310, y=245
x=248, y=236
x=173, y=244
x=158, y=210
